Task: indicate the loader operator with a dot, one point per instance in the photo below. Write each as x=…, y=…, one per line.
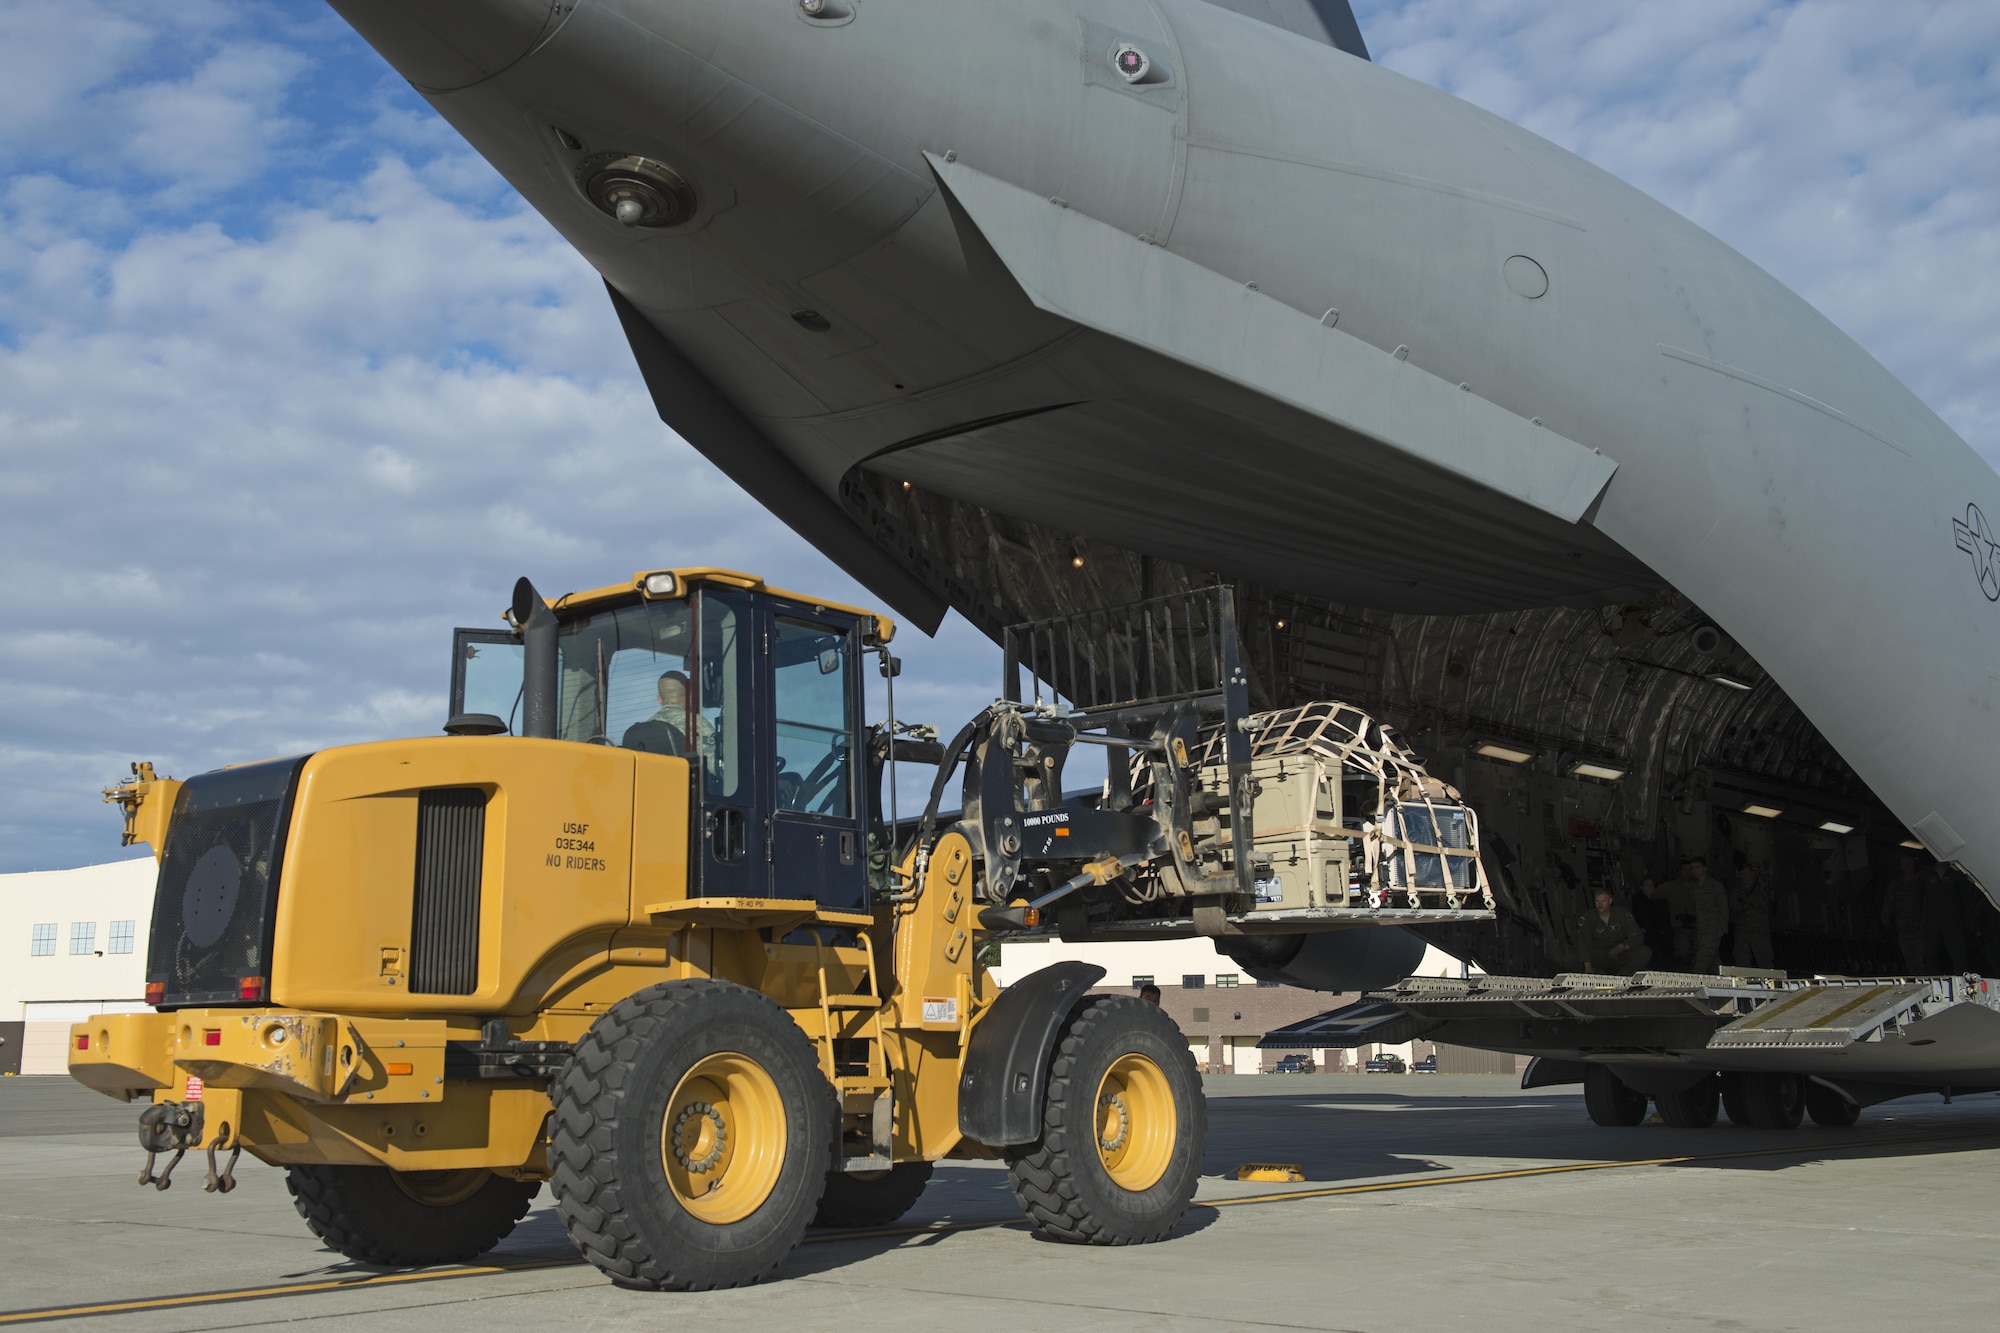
x=665, y=732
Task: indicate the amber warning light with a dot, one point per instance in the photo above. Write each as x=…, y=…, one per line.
x=250, y=988
x=156, y=993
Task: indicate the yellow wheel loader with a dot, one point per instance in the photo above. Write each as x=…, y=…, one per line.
x=639, y=928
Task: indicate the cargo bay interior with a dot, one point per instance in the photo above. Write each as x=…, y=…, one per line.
x=1600, y=744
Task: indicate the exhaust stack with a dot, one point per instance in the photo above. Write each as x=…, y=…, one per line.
x=539, y=677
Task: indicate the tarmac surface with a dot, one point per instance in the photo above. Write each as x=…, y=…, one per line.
x=1429, y=1202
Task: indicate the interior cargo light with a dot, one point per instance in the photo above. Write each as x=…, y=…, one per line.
x=156, y=993
x=662, y=585
x=250, y=988
x=1832, y=826
x=1505, y=752
x=1602, y=772
x=1765, y=811
x=1731, y=682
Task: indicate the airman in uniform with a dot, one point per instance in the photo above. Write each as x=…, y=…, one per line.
x=1611, y=940
x=1750, y=919
x=1711, y=915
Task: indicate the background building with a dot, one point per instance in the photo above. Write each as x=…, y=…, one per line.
x=72, y=944
x=1225, y=1012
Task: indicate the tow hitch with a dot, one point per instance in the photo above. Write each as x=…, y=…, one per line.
x=168, y=1127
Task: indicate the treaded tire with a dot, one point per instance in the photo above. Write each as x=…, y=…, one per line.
x=873, y=1201
x=1733, y=1103
x=1774, y=1101
x=364, y=1214
x=1061, y=1179
x=610, y=1181
x=1692, y=1108
x=1609, y=1101
x=1829, y=1108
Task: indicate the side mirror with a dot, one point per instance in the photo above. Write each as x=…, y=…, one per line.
x=829, y=661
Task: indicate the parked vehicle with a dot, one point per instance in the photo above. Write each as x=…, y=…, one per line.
x=1295, y=1064
x=1386, y=1064
x=1427, y=1065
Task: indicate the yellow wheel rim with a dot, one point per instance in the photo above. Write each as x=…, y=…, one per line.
x=723, y=1140
x=442, y=1189
x=1136, y=1122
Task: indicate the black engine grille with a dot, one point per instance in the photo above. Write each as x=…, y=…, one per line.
x=451, y=858
x=215, y=904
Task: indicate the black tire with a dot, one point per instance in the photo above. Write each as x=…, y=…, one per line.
x=611, y=1178
x=408, y=1219
x=1064, y=1180
x=1733, y=1102
x=1692, y=1108
x=1829, y=1108
x=873, y=1200
x=1609, y=1101
x=1774, y=1101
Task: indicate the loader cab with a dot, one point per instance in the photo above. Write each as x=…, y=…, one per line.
x=758, y=690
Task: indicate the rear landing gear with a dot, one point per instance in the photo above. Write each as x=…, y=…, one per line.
x=1772, y=1101
x=1829, y=1108
x=1692, y=1108
x=1609, y=1101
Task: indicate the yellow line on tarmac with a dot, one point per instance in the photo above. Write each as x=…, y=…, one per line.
x=282, y=1289
x=944, y=1228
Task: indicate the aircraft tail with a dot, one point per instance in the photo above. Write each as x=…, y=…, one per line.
x=1329, y=21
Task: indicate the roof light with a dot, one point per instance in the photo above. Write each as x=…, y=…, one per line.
x=1504, y=752
x=1717, y=678
x=662, y=585
x=1834, y=826
x=1764, y=811
x=1602, y=772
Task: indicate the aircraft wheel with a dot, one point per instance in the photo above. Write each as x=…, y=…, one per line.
x=1124, y=1125
x=1609, y=1101
x=1829, y=1108
x=400, y=1219
x=872, y=1200
x=1774, y=1101
x=1732, y=1099
x=1692, y=1108
x=694, y=1131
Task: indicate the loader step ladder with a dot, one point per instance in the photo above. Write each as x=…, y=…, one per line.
x=872, y=1089
x=1833, y=1015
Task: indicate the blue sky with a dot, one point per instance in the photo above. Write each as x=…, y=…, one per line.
x=291, y=383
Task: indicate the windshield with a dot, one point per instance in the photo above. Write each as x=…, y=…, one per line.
x=624, y=678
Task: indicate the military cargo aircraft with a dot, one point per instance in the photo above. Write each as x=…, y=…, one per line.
x=1026, y=307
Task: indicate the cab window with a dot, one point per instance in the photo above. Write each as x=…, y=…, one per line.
x=814, y=700
x=624, y=678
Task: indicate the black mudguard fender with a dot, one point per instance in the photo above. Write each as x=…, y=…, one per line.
x=1006, y=1071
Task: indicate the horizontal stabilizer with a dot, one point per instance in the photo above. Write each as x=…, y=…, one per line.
x=1130, y=289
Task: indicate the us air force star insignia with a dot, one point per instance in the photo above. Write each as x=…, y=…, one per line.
x=1975, y=538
